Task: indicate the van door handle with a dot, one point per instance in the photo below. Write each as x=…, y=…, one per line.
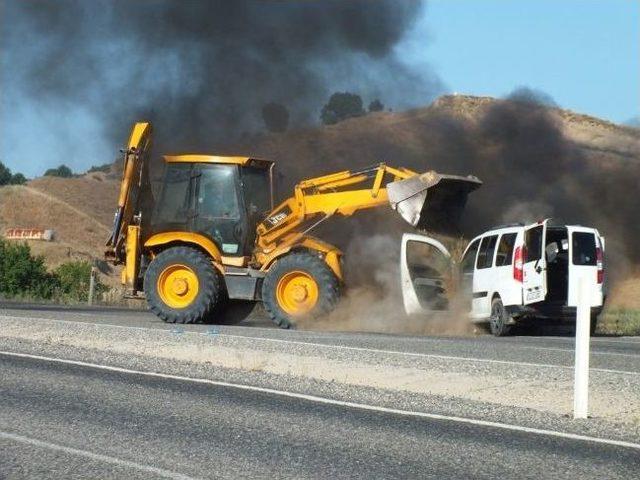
x=538, y=269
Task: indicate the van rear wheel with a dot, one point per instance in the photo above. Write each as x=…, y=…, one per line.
x=499, y=321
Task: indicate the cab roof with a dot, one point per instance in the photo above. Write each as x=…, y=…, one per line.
x=219, y=159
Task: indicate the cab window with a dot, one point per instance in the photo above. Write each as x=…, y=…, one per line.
x=485, y=255
x=175, y=200
x=467, y=262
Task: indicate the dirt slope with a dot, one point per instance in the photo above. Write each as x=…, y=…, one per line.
x=79, y=210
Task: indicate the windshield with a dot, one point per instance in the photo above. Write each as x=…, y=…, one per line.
x=217, y=193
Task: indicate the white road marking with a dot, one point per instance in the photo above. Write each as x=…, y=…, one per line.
x=343, y=347
x=571, y=350
x=330, y=401
x=94, y=456
x=569, y=339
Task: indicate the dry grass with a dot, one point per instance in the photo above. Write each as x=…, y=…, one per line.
x=620, y=321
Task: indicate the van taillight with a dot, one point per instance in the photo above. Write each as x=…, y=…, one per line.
x=600, y=265
x=517, y=264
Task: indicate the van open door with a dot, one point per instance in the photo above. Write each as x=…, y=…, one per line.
x=425, y=274
x=534, y=281
x=586, y=250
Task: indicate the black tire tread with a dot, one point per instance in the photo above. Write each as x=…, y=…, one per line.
x=328, y=285
x=209, y=289
x=505, y=328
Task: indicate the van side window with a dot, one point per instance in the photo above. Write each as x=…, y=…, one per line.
x=505, y=249
x=584, y=248
x=533, y=242
x=485, y=255
x=466, y=265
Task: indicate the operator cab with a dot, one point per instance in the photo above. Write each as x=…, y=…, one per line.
x=222, y=198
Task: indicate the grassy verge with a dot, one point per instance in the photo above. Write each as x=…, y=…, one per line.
x=620, y=321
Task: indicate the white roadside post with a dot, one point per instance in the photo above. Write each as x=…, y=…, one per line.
x=92, y=285
x=583, y=327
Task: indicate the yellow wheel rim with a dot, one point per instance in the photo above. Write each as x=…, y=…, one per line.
x=297, y=293
x=178, y=286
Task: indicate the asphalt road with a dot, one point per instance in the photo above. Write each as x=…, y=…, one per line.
x=68, y=421
x=620, y=354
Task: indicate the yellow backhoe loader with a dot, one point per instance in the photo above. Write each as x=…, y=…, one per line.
x=214, y=234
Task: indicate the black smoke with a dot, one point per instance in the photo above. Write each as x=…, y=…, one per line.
x=201, y=70
x=518, y=146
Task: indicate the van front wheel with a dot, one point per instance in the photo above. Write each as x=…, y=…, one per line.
x=499, y=319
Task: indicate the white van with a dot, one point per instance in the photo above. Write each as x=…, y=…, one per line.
x=508, y=273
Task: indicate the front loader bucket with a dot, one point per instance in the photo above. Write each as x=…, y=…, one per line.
x=432, y=201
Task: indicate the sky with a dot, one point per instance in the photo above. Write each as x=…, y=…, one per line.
x=584, y=54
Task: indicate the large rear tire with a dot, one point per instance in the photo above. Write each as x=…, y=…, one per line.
x=299, y=285
x=182, y=285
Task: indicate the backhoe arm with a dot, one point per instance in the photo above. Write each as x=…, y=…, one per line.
x=123, y=245
x=135, y=158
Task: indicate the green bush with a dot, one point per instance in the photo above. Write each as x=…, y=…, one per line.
x=22, y=274
x=73, y=278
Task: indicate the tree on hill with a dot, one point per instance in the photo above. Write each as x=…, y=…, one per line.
x=62, y=171
x=5, y=175
x=7, y=178
x=340, y=107
x=18, y=179
x=376, y=106
x=275, y=116
x=105, y=167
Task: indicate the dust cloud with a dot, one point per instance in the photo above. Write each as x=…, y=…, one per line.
x=374, y=304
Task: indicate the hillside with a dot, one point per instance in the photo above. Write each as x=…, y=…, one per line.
x=79, y=210
x=533, y=160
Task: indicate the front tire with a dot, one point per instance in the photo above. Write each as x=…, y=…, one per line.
x=299, y=285
x=499, y=319
x=182, y=285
